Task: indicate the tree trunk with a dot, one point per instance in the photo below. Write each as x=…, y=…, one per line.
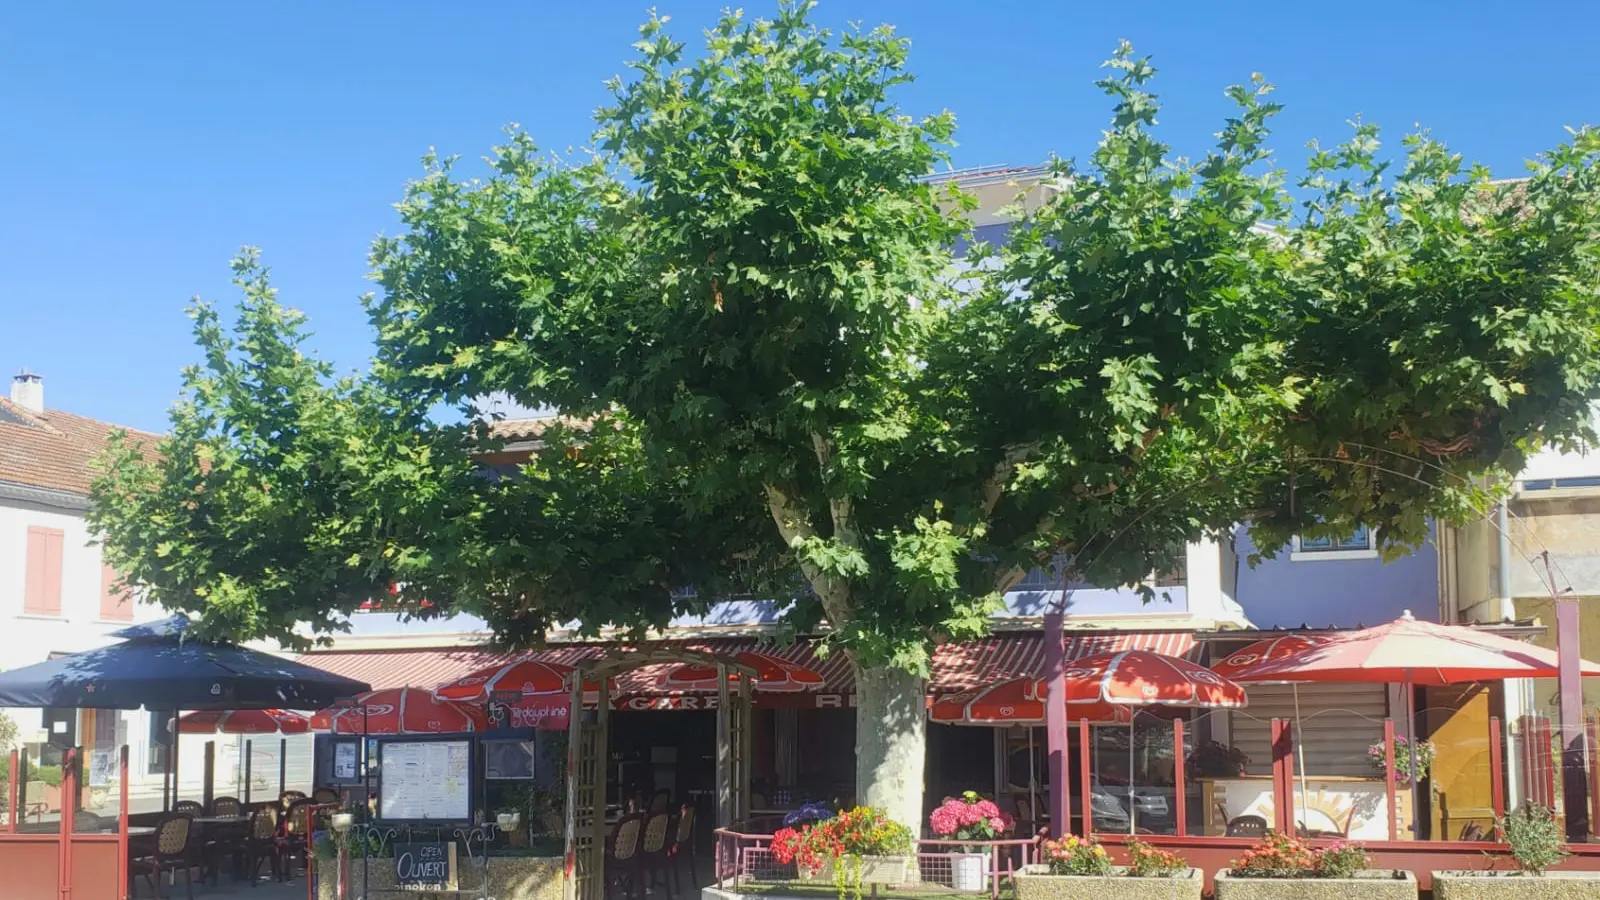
x=891, y=742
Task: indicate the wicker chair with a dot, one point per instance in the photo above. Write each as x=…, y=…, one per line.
x=325, y=795
x=653, y=852
x=189, y=808
x=227, y=806
x=1247, y=826
x=292, y=837
x=261, y=844
x=173, y=852
x=623, y=857
x=681, y=854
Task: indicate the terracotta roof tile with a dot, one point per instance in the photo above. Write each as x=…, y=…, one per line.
x=528, y=428
x=55, y=449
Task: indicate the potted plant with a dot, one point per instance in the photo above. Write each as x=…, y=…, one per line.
x=1214, y=759
x=969, y=817
x=1074, y=867
x=855, y=847
x=1338, y=872
x=1534, y=842
x=1402, y=759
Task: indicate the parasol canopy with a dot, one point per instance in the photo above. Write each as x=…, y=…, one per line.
x=243, y=721
x=1143, y=678
x=1018, y=701
x=405, y=710
x=773, y=673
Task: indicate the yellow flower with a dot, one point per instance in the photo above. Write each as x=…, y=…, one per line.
x=1099, y=851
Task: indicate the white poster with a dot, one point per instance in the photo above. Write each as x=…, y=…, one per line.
x=424, y=780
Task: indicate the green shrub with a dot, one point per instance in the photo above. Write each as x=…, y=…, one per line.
x=1534, y=837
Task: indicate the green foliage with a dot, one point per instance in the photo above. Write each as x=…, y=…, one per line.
x=1534, y=838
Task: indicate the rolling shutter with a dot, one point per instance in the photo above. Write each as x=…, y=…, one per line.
x=1338, y=722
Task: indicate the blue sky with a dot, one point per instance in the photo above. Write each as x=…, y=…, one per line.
x=142, y=144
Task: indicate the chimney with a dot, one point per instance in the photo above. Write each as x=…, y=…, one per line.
x=27, y=391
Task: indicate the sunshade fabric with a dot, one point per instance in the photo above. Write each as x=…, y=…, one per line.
x=406, y=710
x=773, y=673
x=1018, y=701
x=243, y=721
x=1142, y=678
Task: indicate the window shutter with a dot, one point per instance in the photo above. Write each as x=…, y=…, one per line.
x=42, y=594
x=1337, y=724
x=115, y=603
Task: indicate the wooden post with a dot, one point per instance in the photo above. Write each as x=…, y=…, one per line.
x=725, y=752
x=69, y=799
x=1085, y=784
x=1574, y=780
x=1593, y=733
x=122, y=819
x=249, y=754
x=1497, y=774
x=574, y=760
x=1388, y=778
x=209, y=764
x=11, y=804
x=283, y=766
x=1055, y=721
x=1282, y=789
x=1180, y=797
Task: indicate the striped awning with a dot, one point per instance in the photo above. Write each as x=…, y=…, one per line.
x=956, y=667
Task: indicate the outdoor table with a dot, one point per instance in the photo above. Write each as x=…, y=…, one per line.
x=141, y=831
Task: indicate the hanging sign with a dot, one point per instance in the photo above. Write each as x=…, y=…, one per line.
x=425, y=867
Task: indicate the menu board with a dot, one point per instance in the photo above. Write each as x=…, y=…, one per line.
x=425, y=780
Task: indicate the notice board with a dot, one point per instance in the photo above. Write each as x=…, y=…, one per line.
x=426, y=780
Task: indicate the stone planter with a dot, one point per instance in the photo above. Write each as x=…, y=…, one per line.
x=510, y=878
x=1372, y=884
x=873, y=870
x=1035, y=883
x=1515, y=886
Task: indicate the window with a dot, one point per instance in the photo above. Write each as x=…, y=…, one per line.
x=42, y=594
x=116, y=604
x=1358, y=544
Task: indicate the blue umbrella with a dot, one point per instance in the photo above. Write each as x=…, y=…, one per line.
x=157, y=666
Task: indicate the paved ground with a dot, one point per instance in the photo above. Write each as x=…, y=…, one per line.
x=294, y=889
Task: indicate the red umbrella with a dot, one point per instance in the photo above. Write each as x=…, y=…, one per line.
x=243, y=721
x=525, y=676
x=1017, y=701
x=406, y=710
x=773, y=673
x=1407, y=651
x=1264, y=651
x=1144, y=678
x=1410, y=652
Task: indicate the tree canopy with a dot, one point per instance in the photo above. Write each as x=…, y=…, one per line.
x=778, y=384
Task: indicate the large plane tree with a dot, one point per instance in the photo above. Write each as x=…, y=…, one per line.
x=774, y=383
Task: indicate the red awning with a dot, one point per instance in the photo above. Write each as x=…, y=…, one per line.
x=956, y=667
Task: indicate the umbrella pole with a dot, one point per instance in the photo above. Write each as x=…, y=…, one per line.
x=249, y=752
x=1033, y=780
x=1300, y=750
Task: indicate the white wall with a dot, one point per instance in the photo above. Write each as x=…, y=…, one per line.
x=27, y=639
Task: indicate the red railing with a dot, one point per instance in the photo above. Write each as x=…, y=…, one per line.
x=747, y=858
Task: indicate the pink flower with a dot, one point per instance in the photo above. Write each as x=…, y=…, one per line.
x=998, y=824
x=943, y=821
x=987, y=809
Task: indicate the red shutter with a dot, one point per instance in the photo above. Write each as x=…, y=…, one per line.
x=42, y=595
x=115, y=603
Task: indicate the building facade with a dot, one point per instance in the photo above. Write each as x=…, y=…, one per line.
x=57, y=596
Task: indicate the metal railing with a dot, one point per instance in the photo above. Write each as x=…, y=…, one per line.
x=971, y=867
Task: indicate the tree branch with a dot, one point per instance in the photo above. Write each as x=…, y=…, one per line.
x=796, y=528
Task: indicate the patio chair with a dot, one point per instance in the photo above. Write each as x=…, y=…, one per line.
x=653, y=852
x=261, y=844
x=622, y=856
x=325, y=795
x=289, y=798
x=292, y=837
x=1471, y=831
x=681, y=854
x=226, y=806
x=171, y=853
x=660, y=801
x=189, y=808
x=36, y=805
x=1247, y=827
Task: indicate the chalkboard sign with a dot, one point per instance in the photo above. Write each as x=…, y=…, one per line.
x=425, y=867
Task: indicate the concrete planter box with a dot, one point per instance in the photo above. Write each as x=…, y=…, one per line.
x=1036, y=883
x=1372, y=884
x=874, y=869
x=1515, y=886
x=510, y=878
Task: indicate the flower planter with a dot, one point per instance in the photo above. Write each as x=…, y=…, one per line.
x=871, y=869
x=1372, y=884
x=1035, y=883
x=969, y=871
x=1515, y=886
